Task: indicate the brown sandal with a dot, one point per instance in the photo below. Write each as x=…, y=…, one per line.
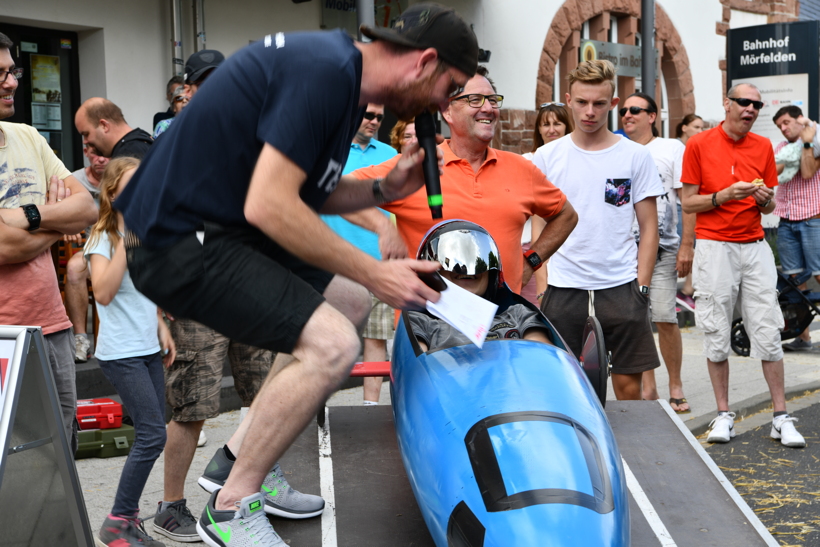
x=678, y=402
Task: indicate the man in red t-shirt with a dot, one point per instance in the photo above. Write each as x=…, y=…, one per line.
x=728, y=176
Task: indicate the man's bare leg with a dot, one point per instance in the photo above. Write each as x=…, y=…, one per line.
x=627, y=387
x=323, y=357
x=774, y=374
x=374, y=350
x=719, y=374
x=347, y=296
x=179, y=453
x=76, y=293
x=669, y=340
x=649, y=387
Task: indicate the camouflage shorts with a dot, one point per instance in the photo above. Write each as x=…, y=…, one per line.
x=380, y=323
x=194, y=381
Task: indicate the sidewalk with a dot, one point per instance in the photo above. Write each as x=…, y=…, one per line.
x=748, y=395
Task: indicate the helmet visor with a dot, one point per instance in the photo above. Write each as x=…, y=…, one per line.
x=463, y=252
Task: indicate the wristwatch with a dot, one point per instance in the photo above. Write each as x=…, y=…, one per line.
x=644, y=290
x=377, y=191
x=533, y=259
x=32, y=215
x=808, y=145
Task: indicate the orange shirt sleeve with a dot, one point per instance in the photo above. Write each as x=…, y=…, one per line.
x=770, y=175
x=691, y=164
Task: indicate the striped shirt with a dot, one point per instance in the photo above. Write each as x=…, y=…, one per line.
x=799, y=198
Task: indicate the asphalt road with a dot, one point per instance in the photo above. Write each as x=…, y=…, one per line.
x=782, y=485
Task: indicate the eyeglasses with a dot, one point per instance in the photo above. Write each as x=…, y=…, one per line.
x=16, y=72
x=634, y=110
x=371, y=115
x=746, y=102
x=545, y=105
x=476, y=100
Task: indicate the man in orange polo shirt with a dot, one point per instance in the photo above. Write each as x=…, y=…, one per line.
x=728, y=176
x=495, y=189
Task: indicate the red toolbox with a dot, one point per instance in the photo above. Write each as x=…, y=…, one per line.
x=99, y=414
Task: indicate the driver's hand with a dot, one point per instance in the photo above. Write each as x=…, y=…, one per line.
x=397, y=284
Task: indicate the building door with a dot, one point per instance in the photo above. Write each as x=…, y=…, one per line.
x=49, y=92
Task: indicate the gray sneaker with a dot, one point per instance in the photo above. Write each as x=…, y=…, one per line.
x=122, y=532
x=248, y=525
x=176, y=522
x=280, y=498
x=798, y=344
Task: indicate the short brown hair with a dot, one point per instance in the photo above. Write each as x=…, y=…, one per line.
x=596, y=71
x=5, y=42
x=103, y=109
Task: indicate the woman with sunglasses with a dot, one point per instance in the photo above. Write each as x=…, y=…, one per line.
x=553, y=122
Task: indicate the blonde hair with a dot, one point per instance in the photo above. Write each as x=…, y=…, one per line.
x=107, y=222
x=593, y=72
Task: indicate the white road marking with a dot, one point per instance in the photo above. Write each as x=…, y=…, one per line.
x=722, y=479
x=326, y=484
x=647, y=509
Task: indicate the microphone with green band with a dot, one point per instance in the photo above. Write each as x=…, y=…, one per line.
x=426, y=135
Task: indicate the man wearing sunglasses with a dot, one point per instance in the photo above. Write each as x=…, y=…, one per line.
x=500, y=190
x=380, y=241
x=40, y=201
x=722, y=173
x=639, y=114
x=223, y=220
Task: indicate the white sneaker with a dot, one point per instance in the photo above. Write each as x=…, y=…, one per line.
x=202, y=438
x=783, y=429
x=722, y=428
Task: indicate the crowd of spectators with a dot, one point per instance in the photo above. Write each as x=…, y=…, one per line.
x=614, y=219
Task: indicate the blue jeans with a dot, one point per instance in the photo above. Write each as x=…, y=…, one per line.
x=798, y=244
x=140, y=383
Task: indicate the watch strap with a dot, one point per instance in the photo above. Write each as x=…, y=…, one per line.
x=33, y=216
x=533, y=259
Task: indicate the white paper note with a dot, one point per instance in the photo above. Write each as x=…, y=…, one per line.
x=469, y=313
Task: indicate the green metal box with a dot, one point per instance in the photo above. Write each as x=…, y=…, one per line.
x=105, y=443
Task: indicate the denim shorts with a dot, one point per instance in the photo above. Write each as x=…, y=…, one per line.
x=798, y=244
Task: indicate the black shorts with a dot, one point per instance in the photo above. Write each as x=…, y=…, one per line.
x=624, y=316
x=237, y=281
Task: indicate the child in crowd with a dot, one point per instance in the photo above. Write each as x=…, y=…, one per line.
x=132, y=333
x=469, y=258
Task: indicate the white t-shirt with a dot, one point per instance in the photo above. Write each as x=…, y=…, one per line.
x=668, y=156
x=602, y=186
x=128, y=324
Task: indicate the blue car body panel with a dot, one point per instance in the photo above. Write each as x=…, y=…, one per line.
x=507, y=445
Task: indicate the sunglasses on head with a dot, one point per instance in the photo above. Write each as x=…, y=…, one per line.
x=634, y=110
x=371, y=115
x=545, y=105
x=746, y=102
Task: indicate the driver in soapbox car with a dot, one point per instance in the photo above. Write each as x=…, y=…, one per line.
x=469, y=258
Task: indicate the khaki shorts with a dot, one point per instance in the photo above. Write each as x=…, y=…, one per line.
x=194, y=381
x=724, y=271
x=380, y=323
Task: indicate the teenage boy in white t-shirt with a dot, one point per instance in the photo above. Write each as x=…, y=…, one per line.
x=675, y=255
x=599, y=269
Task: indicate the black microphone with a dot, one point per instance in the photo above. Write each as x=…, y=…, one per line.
x=426, y=135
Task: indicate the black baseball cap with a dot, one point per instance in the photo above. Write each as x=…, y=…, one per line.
x=432, y=25
x=200, y=62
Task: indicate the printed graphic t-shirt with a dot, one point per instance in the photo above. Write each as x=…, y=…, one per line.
x=603, y=187
x=668, y=156
x=29, y=294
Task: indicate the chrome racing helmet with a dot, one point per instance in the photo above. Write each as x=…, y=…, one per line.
x=463, y=248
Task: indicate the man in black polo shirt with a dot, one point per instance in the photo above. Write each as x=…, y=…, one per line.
x=105, y=130
x=222, y=223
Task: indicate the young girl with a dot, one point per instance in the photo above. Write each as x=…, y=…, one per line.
x=131, y=335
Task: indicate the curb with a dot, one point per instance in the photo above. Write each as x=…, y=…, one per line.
x=700, y=425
